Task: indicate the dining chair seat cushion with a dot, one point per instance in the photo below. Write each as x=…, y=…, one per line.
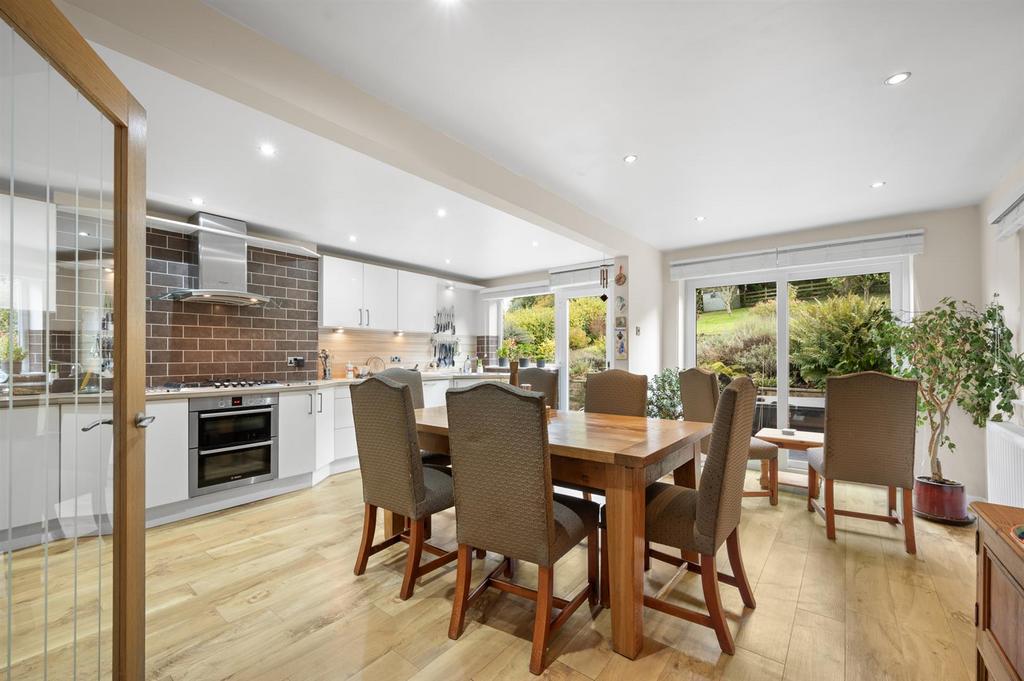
x=440, y=493
x=671, y=518
x=816, y=459
x=762, y=451
x=435, y=458
x=575, y=518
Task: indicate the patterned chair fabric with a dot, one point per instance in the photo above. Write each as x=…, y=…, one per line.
x=616, y=392
x=698, y=392
x=870, y=425
x=542, y=381
x=413, y=379
x=701, y=520
x=393, y=475
x=504, y=501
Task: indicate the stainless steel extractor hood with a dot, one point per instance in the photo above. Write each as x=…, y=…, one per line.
x=223, y=266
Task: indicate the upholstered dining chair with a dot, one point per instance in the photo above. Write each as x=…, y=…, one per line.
x=701, y=520
x=414, y=380
x=504, y=502
x=616, y=392
x=394, y=477
x=542, y=381
x=698, y=391
x=870, y=425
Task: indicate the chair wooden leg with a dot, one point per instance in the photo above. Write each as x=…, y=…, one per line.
x=460, y=603
x=605, y=590
x=412, y=561
x=892, y=500
x=766, y=478
x=773, y=482
x=830, y=509
x=542, y=618
x=908, y=520
x=510, y=567
x=713, y=599
x=481, y=553
x=736, y=562
x=592, y=571
x=812, y=486
x=647, y=556
x=369, y=527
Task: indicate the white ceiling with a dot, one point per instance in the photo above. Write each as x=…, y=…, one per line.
x=200, y=143
x=762, y=116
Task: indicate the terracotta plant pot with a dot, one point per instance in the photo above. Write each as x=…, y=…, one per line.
x=942, y=502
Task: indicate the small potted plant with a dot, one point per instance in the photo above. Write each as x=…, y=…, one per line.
x=11, y=355
x=504, y=352
x=545, y=352
x=959, y=355
x=663, y=398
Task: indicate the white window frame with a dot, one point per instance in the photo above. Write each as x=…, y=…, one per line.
x=562, y=297
x=899, y=268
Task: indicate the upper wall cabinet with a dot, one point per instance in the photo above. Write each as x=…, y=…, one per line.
x=358, y=295
x=417, y=302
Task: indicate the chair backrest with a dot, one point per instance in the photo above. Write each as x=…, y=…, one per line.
x=413, y=379
x=616, y=392
x=720, y=496
x=498, y=441
x=542, y=381
x=389, y=451
x=870, y=425
x=698, y=392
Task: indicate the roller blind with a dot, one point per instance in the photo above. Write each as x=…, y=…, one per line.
x=821, y=253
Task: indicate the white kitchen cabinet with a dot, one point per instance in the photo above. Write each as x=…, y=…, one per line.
x=324, y=416
x=32, y=456
x=344, y=426
x=341, y=292
x=434, y=391
x=296, y=433
x=86, y=466
x=380, y=297
x=167, y=452
x=417, y=302
x=466, y=382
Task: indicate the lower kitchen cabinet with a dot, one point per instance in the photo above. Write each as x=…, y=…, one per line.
x=344, y=427
x=324, y=409
x=296, y=433
x=86, y=466
x=33, y=454
x=434, y=393
x=167, y=452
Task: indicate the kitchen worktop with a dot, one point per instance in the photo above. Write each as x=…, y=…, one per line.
x=158, y=394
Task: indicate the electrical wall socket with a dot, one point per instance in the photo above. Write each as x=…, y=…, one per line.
x=395, y=359
x=297, y=362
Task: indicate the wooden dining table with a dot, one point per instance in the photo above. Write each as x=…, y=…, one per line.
x=616, y=456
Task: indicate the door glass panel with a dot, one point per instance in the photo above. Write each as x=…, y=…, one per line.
x=737, y=336
x=56, y=352
x=588, y=354
x=831, y=320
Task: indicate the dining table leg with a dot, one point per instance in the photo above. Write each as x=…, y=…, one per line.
x=393, y=523
x=626, y=535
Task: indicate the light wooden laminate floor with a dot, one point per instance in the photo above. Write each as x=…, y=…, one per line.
x=266, y=592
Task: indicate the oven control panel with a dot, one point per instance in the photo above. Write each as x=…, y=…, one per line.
x=228, y=401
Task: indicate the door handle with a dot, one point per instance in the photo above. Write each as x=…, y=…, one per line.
x=99, y=422
x=143, y=421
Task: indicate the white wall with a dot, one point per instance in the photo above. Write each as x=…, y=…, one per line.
x=951, y=265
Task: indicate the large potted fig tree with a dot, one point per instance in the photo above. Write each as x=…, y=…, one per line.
x=963, y=356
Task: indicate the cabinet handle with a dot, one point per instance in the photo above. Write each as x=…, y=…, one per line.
x=320, y=409
x=310, y=396
x=100, y=422
x=360, y=316
x=367, y=316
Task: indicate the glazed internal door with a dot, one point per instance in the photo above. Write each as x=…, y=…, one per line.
x=72, y=344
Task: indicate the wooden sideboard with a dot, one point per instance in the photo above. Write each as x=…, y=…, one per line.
x=999, y=611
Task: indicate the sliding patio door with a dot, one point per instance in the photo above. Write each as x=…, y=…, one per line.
x=71, y=357
x=779, y=328
x=582, y=331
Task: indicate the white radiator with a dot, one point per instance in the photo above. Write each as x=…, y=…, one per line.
x=1005, y=467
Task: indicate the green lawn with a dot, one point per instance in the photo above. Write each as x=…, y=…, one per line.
x=715, y=323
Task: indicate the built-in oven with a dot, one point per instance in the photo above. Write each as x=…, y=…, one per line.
x=232, y=441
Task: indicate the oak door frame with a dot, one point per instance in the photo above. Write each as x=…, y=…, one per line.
x=44, y=27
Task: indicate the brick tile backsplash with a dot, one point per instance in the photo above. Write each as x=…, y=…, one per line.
x=188, y=342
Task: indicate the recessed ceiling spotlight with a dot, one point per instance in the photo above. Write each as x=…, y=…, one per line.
x=897, y=78
x=447, y=261
x=268, y=149
x=630, y=159
x=700, y=218
x=449, y=287
x=352, y=238
x=197, y=201
x=441, y=212
x=84, y=234
x=878, y=184
x=535, y=244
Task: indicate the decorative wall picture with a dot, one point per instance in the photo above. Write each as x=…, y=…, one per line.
x=621, y=345
x=620, y=305
x=620, y=322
